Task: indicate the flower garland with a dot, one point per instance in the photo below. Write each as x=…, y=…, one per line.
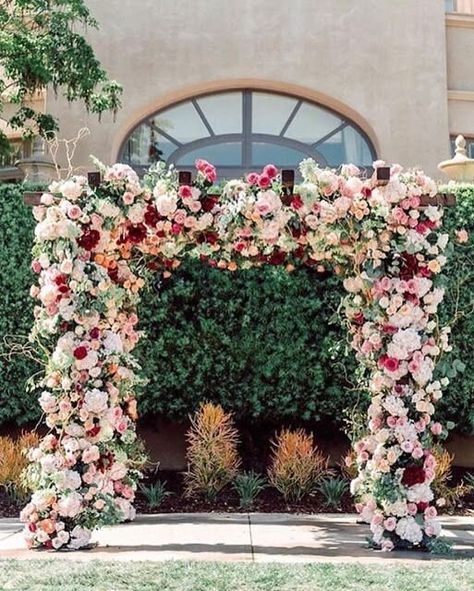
x=97, y=247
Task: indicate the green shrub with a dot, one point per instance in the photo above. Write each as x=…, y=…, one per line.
x=16, y=306
x=457, y=309
x=332, y=490
x=248, y=486
x=155, y=493
x=263, y=343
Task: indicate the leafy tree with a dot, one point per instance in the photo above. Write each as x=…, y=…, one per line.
x=40, y=47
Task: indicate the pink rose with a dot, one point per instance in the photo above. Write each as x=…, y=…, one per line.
x=252, y=178
x=74, y=212
x=430, y=513
x=128, y=198
x=201, y=164
x=390, y=363
x=390, y=523
x=271, y=171
x=377, y=519
x=185, y=192
x=36, y=266
x=264, y=181
x=436, y=428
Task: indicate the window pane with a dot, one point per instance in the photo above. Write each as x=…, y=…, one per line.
x=146, y=146
x=182, y=123
x=333, y=150
x=270, y=112
x=355, y=147
x=275, y=154
x=223, y=112
x=311, y=124
x=229, y=154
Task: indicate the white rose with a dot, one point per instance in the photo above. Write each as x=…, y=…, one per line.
x=166, y=204
x=95, y=401
x=69, y=505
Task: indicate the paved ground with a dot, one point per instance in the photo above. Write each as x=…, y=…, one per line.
x=239, y=537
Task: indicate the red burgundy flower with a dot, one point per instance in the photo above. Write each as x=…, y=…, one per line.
x=413, y=475
x=94, y=333
x=208, y=203
x=136, y=233
x=277, y=258
x=80, y=352
x=90, y=239
x=151, y=216
x=297, y=202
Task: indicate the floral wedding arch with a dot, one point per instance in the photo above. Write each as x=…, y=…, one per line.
x=97, y=246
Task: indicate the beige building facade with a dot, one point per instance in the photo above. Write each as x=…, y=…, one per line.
x=248, y=81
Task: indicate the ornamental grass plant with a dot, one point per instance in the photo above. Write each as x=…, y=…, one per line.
x=13, y=462
x=296, y=464
x=442, y=483
x=212, y=456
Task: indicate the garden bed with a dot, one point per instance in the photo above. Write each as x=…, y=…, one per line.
x=268, y=501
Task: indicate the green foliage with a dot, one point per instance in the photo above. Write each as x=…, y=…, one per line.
x=458, y=311
x=155, y=493
x=248, y=486
x=16, y=306
x=333, y=489
x=264, y=344
x=261, y=342
x=41, y=45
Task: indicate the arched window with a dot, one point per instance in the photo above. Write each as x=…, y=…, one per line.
x=239, y=131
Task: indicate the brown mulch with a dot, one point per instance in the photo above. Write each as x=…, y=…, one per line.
x=268, y=501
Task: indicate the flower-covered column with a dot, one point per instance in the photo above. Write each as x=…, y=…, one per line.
x=392, y=308
x=85, y=470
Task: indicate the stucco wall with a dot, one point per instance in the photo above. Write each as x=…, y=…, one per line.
x=381, y=62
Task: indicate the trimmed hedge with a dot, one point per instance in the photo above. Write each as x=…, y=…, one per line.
x=263, y=343
x=16, y=306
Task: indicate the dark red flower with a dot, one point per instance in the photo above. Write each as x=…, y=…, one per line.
x=299, y=253
x=60, y=280
x=176, y=229
x=136, y=233
x=359, y=317
x=151, y=217
x=211, y=237
x=80, y=352
x=277, y=258
x=413, y=475
x=422, y=505
x=389, y=329
x=409, y=266
x=90, y=239
x=94, y=431
x=366, y=191
x=94, y=333
x=208, y=203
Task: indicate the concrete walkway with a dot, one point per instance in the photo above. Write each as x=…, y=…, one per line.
x=239, y=537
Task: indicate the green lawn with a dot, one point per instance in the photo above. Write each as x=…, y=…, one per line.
x=67, y=575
